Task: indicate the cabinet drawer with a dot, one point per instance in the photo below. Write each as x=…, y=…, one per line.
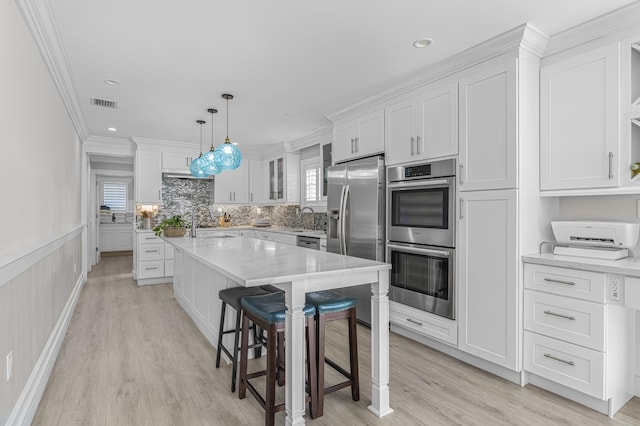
x=151, y=252
x=570, y=365
x=574, y=321
x=150, y=269
x=566, y=282
x=148, y=238
x=423, y=323
x=168, y=268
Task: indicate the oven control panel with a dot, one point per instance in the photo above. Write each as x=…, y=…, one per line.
x=416, y=171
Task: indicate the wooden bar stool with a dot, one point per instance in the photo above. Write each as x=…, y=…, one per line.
x=332, y=306
x=232, y=297
x=268, y=312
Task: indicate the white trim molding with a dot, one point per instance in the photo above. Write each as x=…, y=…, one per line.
x=42, y=24
x=25, y=409
x=22, y=263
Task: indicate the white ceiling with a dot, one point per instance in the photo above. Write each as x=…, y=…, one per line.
x=287, y=62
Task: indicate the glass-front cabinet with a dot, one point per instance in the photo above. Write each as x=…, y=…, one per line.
x=283, y=178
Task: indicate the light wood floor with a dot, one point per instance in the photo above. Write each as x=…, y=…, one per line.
x=133, y=357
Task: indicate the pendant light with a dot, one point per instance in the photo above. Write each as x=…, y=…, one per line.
x=228, y=156
x=198, y=165
x=209, y=156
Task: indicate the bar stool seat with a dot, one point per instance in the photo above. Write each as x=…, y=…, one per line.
x=269, y=312
x=232, y=297
x=332, y=306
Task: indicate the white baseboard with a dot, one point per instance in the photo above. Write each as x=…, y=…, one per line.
x=25, y=409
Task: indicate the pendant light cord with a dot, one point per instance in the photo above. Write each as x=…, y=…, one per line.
x=227, y=120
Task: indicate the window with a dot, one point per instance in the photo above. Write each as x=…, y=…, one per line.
x=114, y=196
x=311, y=185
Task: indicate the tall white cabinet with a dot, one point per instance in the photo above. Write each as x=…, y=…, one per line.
x=500, y=215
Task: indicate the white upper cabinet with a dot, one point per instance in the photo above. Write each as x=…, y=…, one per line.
x=172, y=162
x=488, y=131
x=579, y=104
x=357, y=138
x=148, y=177
x=423, y=127
x=256, y=182
x=232, y=186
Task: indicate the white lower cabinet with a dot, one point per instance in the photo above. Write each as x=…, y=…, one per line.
x=153, y=259
x=488, y=284
x=277, y=237
x=574, y=338
x=423, y=323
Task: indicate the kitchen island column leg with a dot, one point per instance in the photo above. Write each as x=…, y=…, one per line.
x=380, y=346
x=294, y=353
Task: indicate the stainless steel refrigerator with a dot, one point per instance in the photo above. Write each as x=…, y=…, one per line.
x=356, y=207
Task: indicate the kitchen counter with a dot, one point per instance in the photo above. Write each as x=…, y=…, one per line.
x=628, y=266
x=253, y=262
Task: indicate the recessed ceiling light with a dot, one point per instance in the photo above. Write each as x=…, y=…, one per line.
x=112, y=129
x=112, y=82
x=422, y=42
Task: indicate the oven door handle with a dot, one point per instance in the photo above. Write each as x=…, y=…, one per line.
x=421, y=182
x=416, y=250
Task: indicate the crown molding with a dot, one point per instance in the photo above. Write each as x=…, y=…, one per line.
x=524, y=38
x=41, y=22
x=109, y=146
x=613, y=26
x=319, y=135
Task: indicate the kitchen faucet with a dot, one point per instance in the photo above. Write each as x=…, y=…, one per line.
x=313, y=217
x=193, y=219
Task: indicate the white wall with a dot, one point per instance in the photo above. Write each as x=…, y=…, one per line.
x=610, y=207
x=41, y=227
x=40, y=165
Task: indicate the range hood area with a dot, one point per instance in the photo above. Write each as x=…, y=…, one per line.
x=181, y=174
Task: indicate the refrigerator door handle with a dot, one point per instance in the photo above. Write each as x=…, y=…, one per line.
x=343, y=217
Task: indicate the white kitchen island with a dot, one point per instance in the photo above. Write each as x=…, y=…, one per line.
x=251, y=262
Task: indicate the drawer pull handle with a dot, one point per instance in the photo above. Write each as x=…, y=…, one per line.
x=150, y=238
x=559, y=359
x=551, y=280
x=149, y=268
x=152, y=251
x=414, y=321
x=569, y=317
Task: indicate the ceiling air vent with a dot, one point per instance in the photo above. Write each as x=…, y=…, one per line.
x=104, y=103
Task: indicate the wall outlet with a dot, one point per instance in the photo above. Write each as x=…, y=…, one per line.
x=9, y=365
x=615, y=288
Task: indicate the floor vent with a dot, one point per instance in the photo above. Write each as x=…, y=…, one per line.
x=105, y=103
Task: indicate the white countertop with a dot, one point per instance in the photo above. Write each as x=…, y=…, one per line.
x=628, y=266
x=253, y=262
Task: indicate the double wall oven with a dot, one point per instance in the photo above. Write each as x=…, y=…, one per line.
x=421, y=235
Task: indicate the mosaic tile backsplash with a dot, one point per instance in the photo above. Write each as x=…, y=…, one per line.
x=180, y=196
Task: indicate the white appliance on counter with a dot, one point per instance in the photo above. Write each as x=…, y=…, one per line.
x=596, y=239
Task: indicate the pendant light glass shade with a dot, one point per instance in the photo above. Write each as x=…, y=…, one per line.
x=227, y=155
x=198, y=166
x=209, y=156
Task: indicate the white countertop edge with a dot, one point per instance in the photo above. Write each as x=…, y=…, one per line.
x=627, y=266
x=354, y=265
